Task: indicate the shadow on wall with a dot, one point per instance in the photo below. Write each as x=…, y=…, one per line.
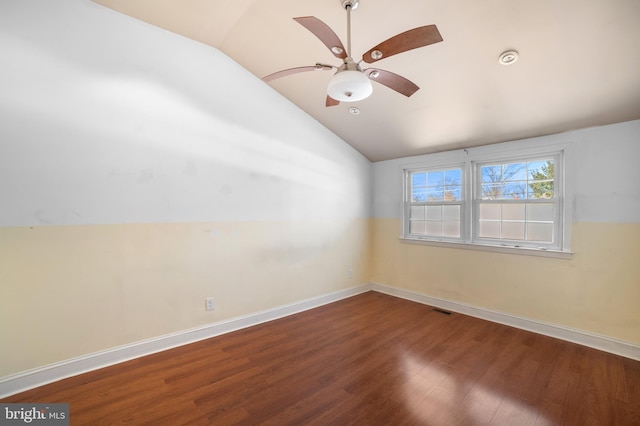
x=104, y=129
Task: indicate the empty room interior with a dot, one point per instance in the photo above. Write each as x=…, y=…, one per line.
x=194, y=227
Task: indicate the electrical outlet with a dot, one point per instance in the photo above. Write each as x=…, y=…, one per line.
x=209, y=303
x=350, y=273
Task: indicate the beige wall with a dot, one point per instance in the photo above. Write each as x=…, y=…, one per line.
x=597, y=291
x=82, y=289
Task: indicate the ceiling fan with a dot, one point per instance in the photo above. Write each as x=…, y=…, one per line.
x=351, y=83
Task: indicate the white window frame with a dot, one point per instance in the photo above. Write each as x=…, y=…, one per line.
x=557, y=200
x=470, y=159
x=463, y=202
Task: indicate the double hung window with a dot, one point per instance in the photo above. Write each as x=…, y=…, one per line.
x=514, y=201
x=436, y=202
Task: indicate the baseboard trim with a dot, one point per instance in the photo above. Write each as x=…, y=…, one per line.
x=580, y=337
x=20, y=382
x=30, y=379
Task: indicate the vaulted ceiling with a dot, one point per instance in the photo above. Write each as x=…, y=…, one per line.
x=578, y=66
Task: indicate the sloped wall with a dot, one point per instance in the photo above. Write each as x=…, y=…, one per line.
x=141, y=172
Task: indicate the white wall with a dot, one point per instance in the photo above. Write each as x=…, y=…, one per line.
x=106, y=119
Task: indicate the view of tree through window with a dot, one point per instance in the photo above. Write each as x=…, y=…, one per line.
x=525, y=180
x=542, y=186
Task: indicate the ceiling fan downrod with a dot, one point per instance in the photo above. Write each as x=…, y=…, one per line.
x=349, y=83
x=348, y=63
x=349, y=5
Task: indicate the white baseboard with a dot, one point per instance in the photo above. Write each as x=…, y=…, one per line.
x=26, y=380
x=591, y=340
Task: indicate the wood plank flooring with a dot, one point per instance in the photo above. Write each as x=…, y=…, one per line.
x=371, y=359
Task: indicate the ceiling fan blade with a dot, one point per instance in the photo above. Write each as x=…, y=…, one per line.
x=317, y=67
x=324, y=33
x=331, y=102
x=412, y=39
x=392, y=81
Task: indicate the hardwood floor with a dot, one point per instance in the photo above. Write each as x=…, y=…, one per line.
x=371, y=359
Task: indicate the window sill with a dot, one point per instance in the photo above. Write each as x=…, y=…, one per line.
x=527, y=251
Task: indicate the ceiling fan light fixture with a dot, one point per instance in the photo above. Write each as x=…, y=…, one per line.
x=349, y=86
x=337, y=50
x=376, y=54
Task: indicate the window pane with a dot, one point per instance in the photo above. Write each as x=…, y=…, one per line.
x=417, y=212
x=544, y=167
x=419, y=179
x=513, y=211
x=516, y=190
x=451, y=229
x=540, y=212
x=453, y=194
x=542, y=232
x=513, y=230
x=417, y=227
x=453, y=176
x=435, y=194
x=541, y=178
x=435, y=186
x=492, y=191
x=435, y=178
x=434, y=212
x=418, y=194
x=541, y=189
x=450, y=212
x=489, y=211
x=434, y=229
x=418, y=187
x=491, y=174
x=514, y=172
x=453, y=185
x=489, y=229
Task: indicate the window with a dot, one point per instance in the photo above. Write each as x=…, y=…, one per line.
x=512, y=200
x=436, y=203
x=515, y=203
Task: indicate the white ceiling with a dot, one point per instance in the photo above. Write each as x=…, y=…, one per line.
x=579, y=64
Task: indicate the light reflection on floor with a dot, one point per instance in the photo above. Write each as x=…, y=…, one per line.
x=436, y=396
